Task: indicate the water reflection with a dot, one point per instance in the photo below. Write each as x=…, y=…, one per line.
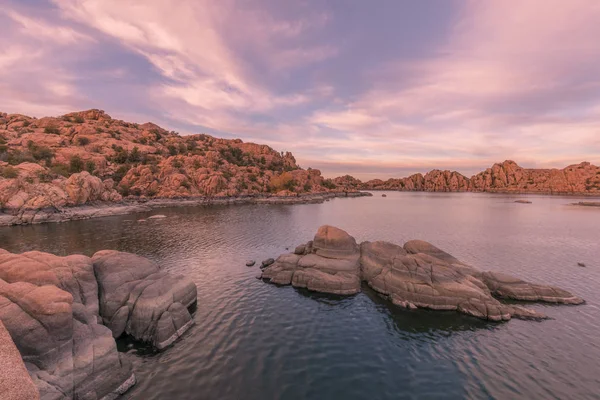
x=254, y=340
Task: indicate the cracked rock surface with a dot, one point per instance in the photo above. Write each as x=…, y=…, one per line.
x=416, y=275
x=139, y=299
x=51, y=307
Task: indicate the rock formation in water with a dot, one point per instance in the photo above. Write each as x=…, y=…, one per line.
x=55, y=309
x=88, y=156
x=506, y=177
x=416, y=275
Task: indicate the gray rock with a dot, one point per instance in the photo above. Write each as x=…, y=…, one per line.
x=267, y=262
x=49, y=305
x=250, y=263
x=417, y=275
x=139, y=299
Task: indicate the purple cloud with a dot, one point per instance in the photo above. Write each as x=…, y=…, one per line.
x=370, y=89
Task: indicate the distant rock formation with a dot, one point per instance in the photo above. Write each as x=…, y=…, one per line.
x=55, y=309
x=506, y=177
x=416, y=275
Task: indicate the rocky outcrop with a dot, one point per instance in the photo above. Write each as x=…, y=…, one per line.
x=329, y=264
x=29, y=192
x=416, y=275
x=139, y=299
x=433, y=181
x=15, y=382
x=50, y=306
x=509, y=177
x=87, y=156
x=505, y=177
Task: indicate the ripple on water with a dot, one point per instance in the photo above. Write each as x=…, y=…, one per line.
x=252, y=340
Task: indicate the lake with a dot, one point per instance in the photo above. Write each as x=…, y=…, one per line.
x=254, y=340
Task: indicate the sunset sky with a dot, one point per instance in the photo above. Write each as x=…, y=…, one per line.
x=380, y=88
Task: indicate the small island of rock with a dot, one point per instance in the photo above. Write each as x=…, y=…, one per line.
x=416, y=275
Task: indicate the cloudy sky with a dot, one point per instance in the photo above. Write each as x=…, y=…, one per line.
x=380, y=88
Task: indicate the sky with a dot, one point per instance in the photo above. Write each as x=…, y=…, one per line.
x=375, y=89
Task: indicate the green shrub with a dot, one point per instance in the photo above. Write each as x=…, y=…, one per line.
x=121, y=156
x=40, y=153
x=90, y=166
x=78, y=119
x=16, y=157
x=45, y=177
x=76, y=164
x=60, y=169
x=172, y=150
x=83, y=141
x=9, y=172
x=176, y=163
x=186, y=184
x=51, y=129
x=26, y=123
x=135, y=155
x=120, y=173
x=329, y=184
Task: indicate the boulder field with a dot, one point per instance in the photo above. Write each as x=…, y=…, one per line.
x=416, y=275
x=64, y=313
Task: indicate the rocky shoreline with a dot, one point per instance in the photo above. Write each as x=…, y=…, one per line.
x=130, y=206
x=416, y=275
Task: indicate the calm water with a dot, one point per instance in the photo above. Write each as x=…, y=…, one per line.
x=254, y=340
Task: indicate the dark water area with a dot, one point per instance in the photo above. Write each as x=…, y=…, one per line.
x=253, y=340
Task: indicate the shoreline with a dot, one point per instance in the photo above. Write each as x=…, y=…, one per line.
x=105, y=209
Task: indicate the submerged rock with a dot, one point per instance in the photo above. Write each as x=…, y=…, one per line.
x=416, y=275
x=267, y=262
x=157, y=216
x=55, y=309
x=250, y=263
x=523, y=201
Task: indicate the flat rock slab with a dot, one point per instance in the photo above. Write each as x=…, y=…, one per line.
x=416, y=275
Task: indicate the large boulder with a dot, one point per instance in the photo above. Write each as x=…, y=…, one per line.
x=417, y=275
x=139, y=299
x=329, y=264
x=15, y=382
x=49, y=305
x=422, y=281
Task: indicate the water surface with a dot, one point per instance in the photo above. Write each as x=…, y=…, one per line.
x=254, y=340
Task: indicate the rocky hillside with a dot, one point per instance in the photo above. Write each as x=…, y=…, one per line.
x=506, y=177
x=88, y=156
